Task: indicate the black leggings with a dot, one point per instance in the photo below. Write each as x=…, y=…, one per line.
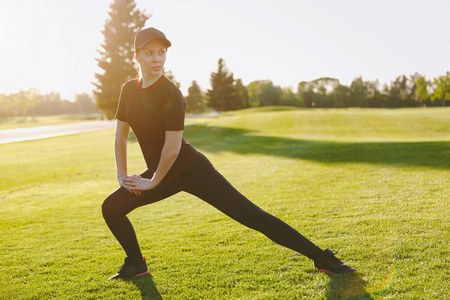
x=203, y=181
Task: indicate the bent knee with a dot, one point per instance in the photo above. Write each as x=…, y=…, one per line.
x=106, y=209
x=110, y=208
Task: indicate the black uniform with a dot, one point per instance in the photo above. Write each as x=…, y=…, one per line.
x=152, y=111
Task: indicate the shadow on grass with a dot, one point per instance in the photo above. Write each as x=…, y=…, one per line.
x=347, y=286
x=147, y=287
x=222, y=139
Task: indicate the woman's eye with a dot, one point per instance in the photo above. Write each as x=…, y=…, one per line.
x=148, y=53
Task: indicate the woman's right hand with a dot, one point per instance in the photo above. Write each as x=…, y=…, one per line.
x=121, y=182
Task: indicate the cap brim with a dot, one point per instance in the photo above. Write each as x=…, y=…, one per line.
x=166, y=41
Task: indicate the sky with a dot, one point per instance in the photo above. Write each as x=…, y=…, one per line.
x=51, y=45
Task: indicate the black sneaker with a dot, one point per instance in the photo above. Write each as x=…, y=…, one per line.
x=330, y=264
x=131, y=268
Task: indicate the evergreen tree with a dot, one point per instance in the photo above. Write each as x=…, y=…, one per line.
x=116, y=58
x=195, y=102
x=222, y=95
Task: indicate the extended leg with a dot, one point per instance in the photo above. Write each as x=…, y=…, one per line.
x=212, y=187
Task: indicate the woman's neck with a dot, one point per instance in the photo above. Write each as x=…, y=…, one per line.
x=149, y=80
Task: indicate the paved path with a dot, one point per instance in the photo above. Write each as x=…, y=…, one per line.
x=34, y=133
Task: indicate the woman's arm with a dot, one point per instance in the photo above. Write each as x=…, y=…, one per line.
x=169, y=154
x=120, y=149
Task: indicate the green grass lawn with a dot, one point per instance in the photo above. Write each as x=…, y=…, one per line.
x=23, y=122
x=374, y=183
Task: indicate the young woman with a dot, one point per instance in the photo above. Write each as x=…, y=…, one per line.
x=154, y=108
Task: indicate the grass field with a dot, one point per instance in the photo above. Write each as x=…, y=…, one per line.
x=374, y=183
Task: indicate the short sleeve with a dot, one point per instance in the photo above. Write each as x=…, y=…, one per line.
x=174, y=112
x=121, y=107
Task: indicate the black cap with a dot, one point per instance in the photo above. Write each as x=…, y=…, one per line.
x=149, y=34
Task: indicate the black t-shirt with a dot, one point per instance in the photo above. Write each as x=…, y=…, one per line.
x=151, y=112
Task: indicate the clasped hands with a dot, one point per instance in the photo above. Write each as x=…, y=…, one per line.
x=136, y=184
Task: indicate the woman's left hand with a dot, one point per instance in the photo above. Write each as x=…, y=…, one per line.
x=136, y=182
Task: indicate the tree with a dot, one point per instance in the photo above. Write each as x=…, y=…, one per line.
x=305, y=92
x=373, y=94
x=84, y=103
x=195, y=100
x=442, y=88
x=264, y=93
x=68, y=107
x=32, y=96
x=241, y=94
x=341, y=96
x=401, y=92
x=50, y=104
x=26, y=102
x=171, y=77
x=253, y=91
x=318, y=92
x=421, y=91
x=323, y=88
x=222, y=95
x=116, y=58
x=270, y=94
x=288, y=97
x=6, y=107
x=358, y=93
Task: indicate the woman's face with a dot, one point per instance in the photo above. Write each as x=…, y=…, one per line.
x=152, y=57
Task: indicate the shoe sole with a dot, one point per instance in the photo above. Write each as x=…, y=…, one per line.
x=326, y=271
x=332, y=273
x=117, y=276
x=141, y=274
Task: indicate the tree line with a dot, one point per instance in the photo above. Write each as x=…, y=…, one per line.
x=226, y=93
x=33, y=103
